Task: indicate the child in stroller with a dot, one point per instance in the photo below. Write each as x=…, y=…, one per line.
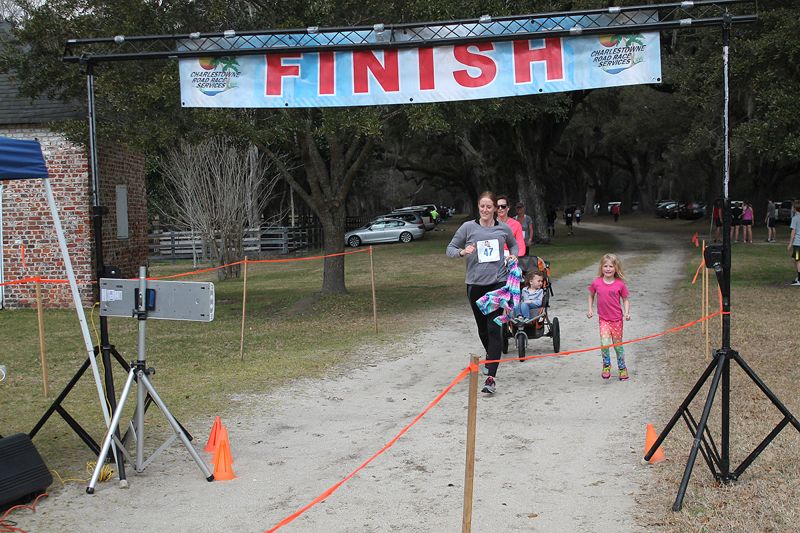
x=533, y=322
x=531, y=296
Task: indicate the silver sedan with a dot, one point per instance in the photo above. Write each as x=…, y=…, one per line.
x=386, y=230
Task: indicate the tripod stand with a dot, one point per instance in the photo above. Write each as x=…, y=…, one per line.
x=719, y=258
x=139, y=373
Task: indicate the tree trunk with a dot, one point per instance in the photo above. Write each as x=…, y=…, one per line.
x=333, y=230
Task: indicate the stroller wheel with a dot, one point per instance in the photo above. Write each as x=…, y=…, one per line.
x=555, y=332
x=522, y=341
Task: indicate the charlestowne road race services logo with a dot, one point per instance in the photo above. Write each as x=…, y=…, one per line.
x=215, y=75
x=619, y=52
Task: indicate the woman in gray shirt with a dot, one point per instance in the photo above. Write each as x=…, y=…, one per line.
x=481, y=242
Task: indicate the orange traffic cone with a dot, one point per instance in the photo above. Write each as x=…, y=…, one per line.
x=213, y=438
x=223, y=465
x=649, y=440
x=223, y=437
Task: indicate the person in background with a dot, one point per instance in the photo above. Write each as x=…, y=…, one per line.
x=527, y=227
x=770, y=220
x=552, y=216
x=615, y=211
x=716, y=215
x=747, y=222
x=736, y=221
x=569, y=215
x=794, y=242
x=503, y=206
x=578, y=213
x=481, y=242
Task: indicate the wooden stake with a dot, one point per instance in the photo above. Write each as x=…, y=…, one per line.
x=469, y=467
x=42, y=353
x=244, y=308
x=374, y=302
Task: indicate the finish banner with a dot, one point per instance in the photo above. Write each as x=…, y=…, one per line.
x=489, y=69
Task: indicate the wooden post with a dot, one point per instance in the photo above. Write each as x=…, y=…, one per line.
x=244, y=308
x=374, y=302
x=42, y=354
x=469, y=468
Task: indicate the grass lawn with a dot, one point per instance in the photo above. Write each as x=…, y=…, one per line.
x=290, y=333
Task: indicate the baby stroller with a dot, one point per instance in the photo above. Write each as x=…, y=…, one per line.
x=541, y=325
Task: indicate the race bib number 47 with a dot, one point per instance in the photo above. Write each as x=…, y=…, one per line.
x=488, y=251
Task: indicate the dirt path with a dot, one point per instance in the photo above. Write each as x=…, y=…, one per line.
x=558, y=448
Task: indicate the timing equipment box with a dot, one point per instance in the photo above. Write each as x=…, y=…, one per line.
x=166, y=300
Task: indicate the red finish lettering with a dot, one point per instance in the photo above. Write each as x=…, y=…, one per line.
x=387, y=74
x=276, y=71
x=327, y=73
x=427, y=80
x=551, y=54
x=485, y=64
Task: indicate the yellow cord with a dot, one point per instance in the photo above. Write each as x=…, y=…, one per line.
x=106, y=474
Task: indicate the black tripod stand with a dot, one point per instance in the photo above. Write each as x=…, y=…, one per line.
x=719, y=258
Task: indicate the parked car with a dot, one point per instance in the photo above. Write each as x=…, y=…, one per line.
x=692, y=211
x=664, y=206
x=386, y=230
x=673, y=209
x=424, y=212
x=409, y=216
x=784, y=211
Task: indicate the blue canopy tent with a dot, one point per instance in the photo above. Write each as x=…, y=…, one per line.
x=23, y=160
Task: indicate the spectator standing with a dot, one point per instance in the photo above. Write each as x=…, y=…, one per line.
x=569, y=214
x=770, y=220
x=552, y=216
x=481, y=242
x=716, y=215
x=736, y=221
x=615, y=212
x=794, y=242
x=527, y=227
x=747, y=222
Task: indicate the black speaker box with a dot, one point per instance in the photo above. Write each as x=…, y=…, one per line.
x=22, y=470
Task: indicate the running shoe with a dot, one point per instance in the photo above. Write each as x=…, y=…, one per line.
x=606, y=372
x=796, y=283
x=489, y=385
x=623, y=374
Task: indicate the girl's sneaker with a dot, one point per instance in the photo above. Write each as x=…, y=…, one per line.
x=623, y=374
x=606, y=372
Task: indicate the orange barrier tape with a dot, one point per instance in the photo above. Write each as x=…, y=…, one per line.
x=697, y=272
x=366, y=250
x=193, y=272
x=37, y=279
x=621, y=343
x=465, y=372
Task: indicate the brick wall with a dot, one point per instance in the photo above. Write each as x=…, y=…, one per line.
x=27, y=219
x=122, y=166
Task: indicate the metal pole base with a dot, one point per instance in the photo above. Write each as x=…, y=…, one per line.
x=138, y=374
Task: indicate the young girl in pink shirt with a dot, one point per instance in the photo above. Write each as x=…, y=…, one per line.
x=610, y=290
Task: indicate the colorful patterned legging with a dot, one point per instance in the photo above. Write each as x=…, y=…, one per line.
x=611, y=333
